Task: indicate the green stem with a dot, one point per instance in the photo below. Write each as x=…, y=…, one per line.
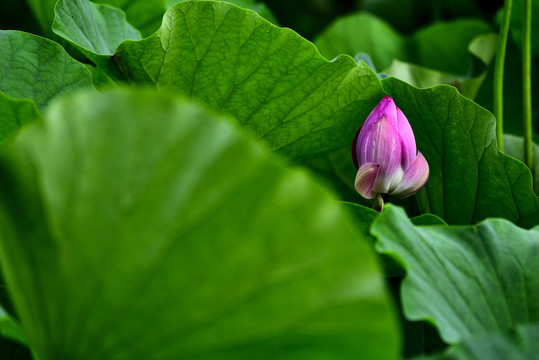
x=526, y=83
x=378, y=203
x=498, y=72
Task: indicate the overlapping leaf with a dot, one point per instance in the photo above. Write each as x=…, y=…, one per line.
x=94, y=29
x=136, y=213
x=469, y=179
x=38, y=69
x=468, y=281
x=272, y=80
x=34, y=71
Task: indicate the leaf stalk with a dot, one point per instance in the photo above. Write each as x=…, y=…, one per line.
x=526, y=84
x=498, y=72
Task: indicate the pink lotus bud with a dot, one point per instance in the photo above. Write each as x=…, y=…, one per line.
x=385, y=154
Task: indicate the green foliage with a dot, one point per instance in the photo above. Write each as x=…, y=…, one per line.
x=144, y=15
x=43, y=11
x=364, y=33
x=30, y=78
x=95, y=30
x=260, y=8
x=444, y=46
x=440, y=53
x=514, y=146
x=158, y=209
x=520, y=344
x=270, y=79
x=15, y=113
x=468, y=281
x=163, y=212
x=10, y=329
x=38, y=69
x=440, y=46
x=469, y=179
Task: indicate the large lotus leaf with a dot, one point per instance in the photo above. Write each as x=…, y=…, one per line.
x=272, y=80
x=468, y=281
x=469, y=179
x=139, y=216
x=94, y=29
x=38, y=69
x=442, y=46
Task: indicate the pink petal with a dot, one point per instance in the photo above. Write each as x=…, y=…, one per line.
x=386, y=107
x=381, y=145
x=365, y=179
x=409, y=150
x=415, y=177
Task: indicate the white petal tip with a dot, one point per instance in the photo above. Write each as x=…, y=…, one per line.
x=365, y=178
x=414, y=178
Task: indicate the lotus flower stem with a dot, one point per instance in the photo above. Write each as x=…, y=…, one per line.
x=526, y=83
x=378, y=203
x=498, y=72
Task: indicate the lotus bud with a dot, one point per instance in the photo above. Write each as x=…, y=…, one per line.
x=385, y=154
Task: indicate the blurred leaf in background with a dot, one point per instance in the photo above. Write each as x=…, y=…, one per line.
x=158, y=209
x=455, y=52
